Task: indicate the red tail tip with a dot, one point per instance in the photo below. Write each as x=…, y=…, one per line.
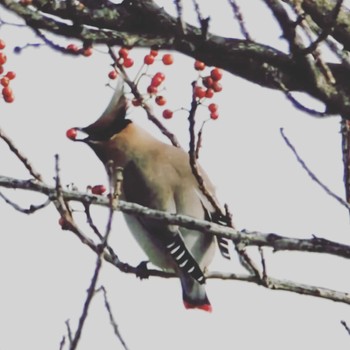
x=204, y=307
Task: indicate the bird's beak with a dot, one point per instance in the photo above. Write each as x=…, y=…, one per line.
x=77, y=134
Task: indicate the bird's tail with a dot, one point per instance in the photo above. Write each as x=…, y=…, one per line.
x=194, y=294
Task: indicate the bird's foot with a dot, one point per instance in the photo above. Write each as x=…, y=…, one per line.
x=142, y=271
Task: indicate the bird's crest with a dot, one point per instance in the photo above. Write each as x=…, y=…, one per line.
x=112, y=119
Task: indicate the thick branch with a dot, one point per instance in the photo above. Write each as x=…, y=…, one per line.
x=121, y=25
x=248, y=238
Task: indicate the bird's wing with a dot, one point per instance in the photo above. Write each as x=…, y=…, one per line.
x=137, y=189
x=211, y=215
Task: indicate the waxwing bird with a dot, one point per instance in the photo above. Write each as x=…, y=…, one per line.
x=158, y=175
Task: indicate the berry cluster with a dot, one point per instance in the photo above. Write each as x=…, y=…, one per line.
x=5, y=79
x=156, y=80
x=209, y=86
x=74, y=49
x=206, y=87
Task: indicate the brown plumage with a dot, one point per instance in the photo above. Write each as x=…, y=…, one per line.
x=158, y=176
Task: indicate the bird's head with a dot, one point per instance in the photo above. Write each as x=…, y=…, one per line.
x=111, y=122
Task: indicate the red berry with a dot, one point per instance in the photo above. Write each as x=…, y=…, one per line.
x=216, y=74
x=208, y=81
x=136, y=102
x=112, y=74
x=63, y=223
x=3, y=58
x=160, y=101
x=71, y=133
x=128, y=62
x=167, y=113
x=168, y=59
x=98, y=189
x=198, y=65
x=213, y=107
x=209, y=93
x=154, y=53
x=156, y=81
x=5, y=81
x=2, y=44
x=214, y=115
x=160, y=75
x=7, y=91
x=149, y=59
x=217, y=87
x=11, y=75
x=87, y=52
x=123, y=52
x=152, y=90
x=9, y=98
x=199, y=92
x=1, y=69
x=72, y=48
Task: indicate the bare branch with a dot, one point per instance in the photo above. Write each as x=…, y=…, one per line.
x=249, y=238
x=111, y=317
x=91, y=222
x=69, y=331
x=203, y=22
x=62, y=342
x=20, y=156
x=345, y=326
x=286, y=285
x=32, y=209
x=300, y=106
x=193, y=156
x=326, y=30
x=100, y=254
x=311, y=174
x=90, y=295
x=238, y=14
x=179, y=9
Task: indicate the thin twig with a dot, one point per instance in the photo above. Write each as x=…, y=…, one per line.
x=111, y=317
x=345, y=326
x=90, y=221
x=192, y=155
x=316, y=52
x=100, y=254
x=69, y=331
x=327, y=30
x=53, y=45
x=300, y=106
x=203, y=22
x=311, y=174
x=263, y=264
x=200, y=139
x=179, y=9
x=62, y=342
x=32, y=208
x=20, y=156
x=90, y=294
x=239, y=16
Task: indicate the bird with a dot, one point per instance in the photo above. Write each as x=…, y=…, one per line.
x=157, y=175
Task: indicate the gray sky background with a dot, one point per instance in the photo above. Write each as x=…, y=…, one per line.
x=45, y=271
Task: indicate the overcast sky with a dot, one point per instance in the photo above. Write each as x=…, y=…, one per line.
x=45, y=271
